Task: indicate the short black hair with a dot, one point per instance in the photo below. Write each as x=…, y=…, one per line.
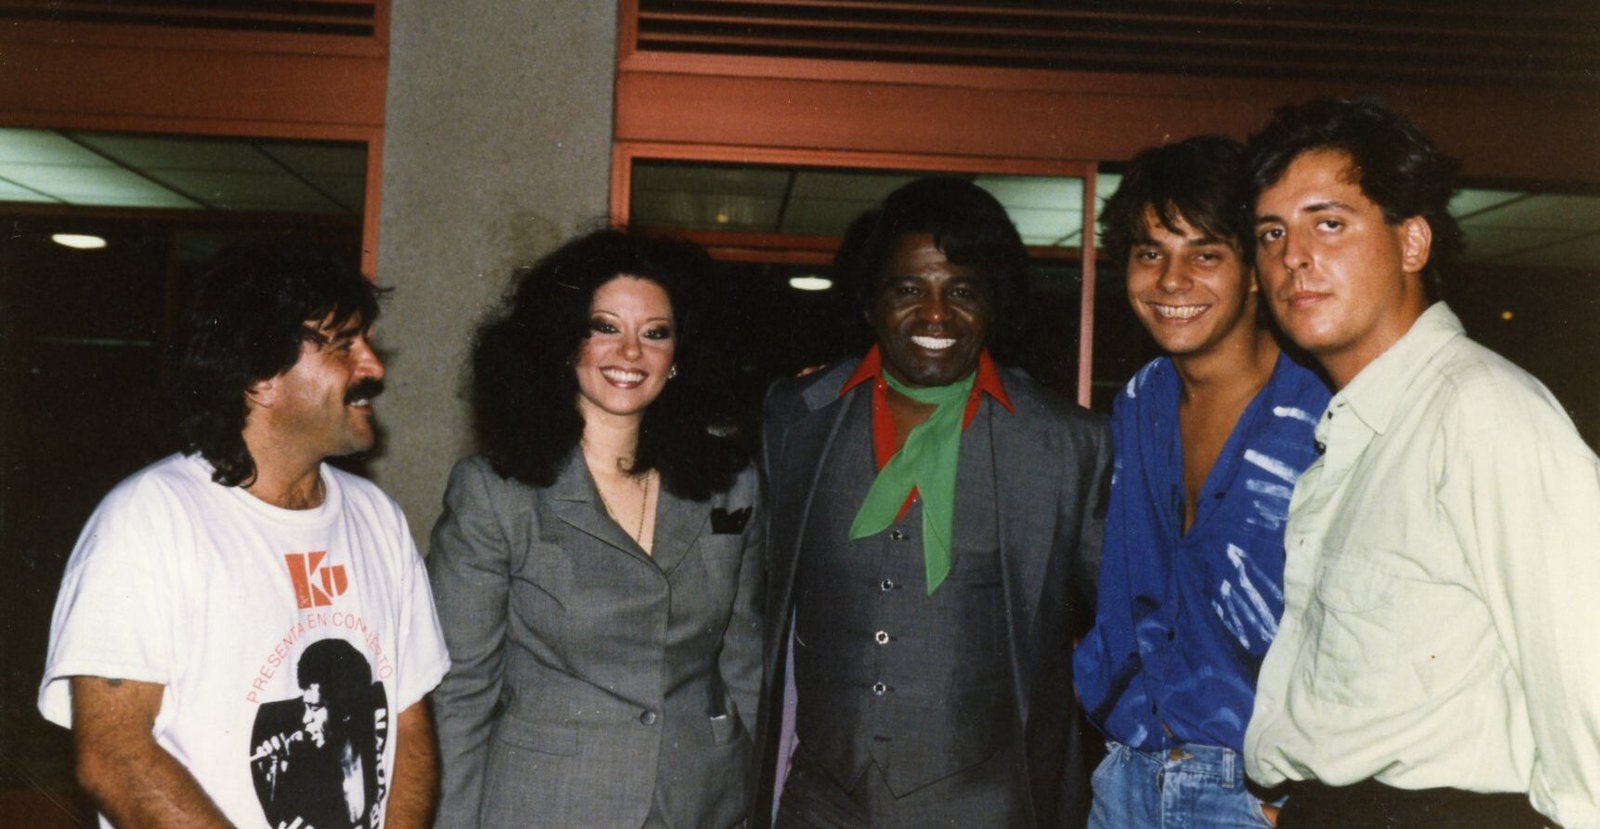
x=1200, y=181
x=969, y=226
x=245, y=325
x=1392, y=160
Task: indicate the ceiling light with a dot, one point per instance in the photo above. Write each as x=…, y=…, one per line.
x=810, y=282
x=78, y=241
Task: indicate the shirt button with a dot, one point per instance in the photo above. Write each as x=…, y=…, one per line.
x=1171, y=635
x=886, y=585
x=879, y=689
x=897, y=535
x=648, y=718
x=881, y=637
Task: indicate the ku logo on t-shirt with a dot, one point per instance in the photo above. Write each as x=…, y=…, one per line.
x=315, y=584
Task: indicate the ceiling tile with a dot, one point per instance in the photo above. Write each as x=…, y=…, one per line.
x=1046, y=227
x=246, y=191
x=110, y=187
x=45, y=147
x=677, y=178
x=16, y=193
x=1468, y=202
x=1546, y=212
x=1034, y=191
x=150, y=152
x=1488, y=244
x=863, y=186
x=308, y=159
x=824, y=216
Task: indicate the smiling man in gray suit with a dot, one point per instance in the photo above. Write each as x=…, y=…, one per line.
x=935, y=525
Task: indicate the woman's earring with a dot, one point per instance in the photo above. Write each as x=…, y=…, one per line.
x=672, y=372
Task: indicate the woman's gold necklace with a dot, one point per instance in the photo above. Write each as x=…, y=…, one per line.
x=644, y=508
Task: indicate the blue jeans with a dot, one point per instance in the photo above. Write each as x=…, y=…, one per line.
x=1189, y=787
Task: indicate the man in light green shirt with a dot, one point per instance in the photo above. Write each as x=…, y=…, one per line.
x=1436, y=663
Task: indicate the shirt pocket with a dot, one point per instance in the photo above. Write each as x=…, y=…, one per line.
x=1355, y=618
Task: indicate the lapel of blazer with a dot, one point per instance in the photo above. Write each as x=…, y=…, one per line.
x=679, y=523
x=575, y=500
x=806, y=448
x=1023, y=460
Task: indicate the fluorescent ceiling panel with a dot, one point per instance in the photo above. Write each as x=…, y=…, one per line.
x=1468, y=202
x=234, y=191
x=44, y=147
x=149, y=153
x=94, y=186
x=13, y=193
x=1490, y=243
x=864, y=186
x=307, y=159
x=1104, y=185
x=1034, y=192
x=709, y=179
x=1046, y=227
x=828, y=217
x=1575, y=213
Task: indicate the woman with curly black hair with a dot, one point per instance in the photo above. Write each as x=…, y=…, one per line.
x=598, y=567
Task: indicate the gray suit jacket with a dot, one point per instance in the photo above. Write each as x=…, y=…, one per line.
x=1051, y=468
x=591, y=682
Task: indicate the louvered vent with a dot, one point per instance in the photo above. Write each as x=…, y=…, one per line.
x=1551, y=43
x=306, y=17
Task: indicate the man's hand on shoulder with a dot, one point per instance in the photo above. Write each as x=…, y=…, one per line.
x=132, y=780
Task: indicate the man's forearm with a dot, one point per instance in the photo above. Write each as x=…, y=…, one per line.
x=415, y=793
x=132, y=779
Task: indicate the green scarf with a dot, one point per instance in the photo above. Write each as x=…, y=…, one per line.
x=926, y=462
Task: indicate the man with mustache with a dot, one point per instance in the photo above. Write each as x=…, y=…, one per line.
x=201, y=580
x=935, y=531
x=1435, y=665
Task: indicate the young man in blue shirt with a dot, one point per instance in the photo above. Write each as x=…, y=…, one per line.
x=1208, y=442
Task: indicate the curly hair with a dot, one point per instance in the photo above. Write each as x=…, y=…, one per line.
x=257, y=303
x=1199, y=181
x=525, y=390
x=1391, y=159
x=970, y=227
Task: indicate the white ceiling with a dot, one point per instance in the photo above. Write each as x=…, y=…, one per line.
x=90, y=169
x=1512, y=228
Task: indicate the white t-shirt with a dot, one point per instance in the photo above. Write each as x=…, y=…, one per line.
x=219, y=596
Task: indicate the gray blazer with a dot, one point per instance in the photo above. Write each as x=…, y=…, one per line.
x=591, y=683
x=1051, y=472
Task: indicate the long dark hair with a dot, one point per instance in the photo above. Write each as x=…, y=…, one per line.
x=525, y=391
x=257, y=303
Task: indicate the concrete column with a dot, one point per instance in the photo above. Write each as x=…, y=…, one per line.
x=498, y=147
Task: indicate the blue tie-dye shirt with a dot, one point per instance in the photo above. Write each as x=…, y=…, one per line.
x=1183, y=621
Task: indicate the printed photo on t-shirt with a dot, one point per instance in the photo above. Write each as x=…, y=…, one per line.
x=317, y=758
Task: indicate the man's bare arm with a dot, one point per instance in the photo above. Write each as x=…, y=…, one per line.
x=415, y=793
x=132, y=780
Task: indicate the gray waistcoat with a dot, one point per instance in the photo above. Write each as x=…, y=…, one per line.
x=885, y=673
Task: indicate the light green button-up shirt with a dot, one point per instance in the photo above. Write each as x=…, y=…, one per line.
x=1442, y=588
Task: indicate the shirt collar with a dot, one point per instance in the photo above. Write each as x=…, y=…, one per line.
x=987, y=382
x=1375, y=392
